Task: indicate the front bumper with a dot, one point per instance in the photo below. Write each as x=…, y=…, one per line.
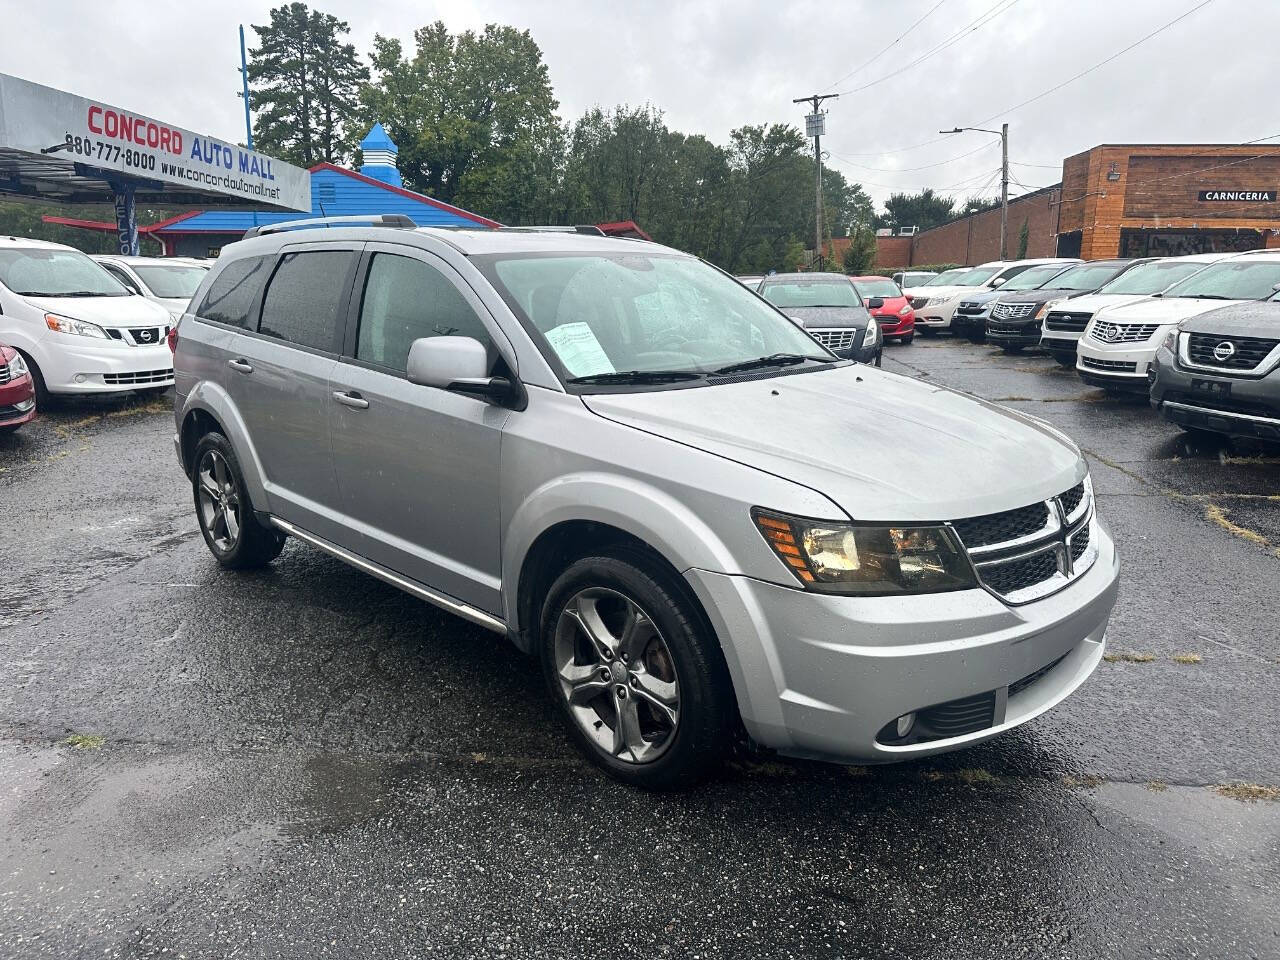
x=896, y=324
x=1014, y=333
x=869, y=355
x=1250, y=407
x=967, y=322
x=819, y=676
x=98, y=366
x=1114, y=368
x=17, y=402
x=1057, y=341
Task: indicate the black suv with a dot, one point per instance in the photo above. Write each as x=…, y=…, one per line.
x=1015, y=318
x=1220, y=372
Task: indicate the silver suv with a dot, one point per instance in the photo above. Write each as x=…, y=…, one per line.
x=701, y=522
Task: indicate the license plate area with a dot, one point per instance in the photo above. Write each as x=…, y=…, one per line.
x=1212, y=388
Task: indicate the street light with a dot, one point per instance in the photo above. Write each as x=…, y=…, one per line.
x=1003, y=134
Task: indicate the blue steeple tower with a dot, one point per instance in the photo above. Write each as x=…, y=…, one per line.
x=380, y=157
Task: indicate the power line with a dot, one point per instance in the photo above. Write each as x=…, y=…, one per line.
x=1100, y=63
x=927, y=166
x=864, y=65
x=977, y=23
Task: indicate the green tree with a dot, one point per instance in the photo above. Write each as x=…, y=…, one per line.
x=860, y=256
x=925, y=210
x=977, y=205
x=306, y=82
x=474, y=117
x=1024, y=237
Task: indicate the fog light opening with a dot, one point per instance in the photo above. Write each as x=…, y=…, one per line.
x=905, y=723
x=80, y=378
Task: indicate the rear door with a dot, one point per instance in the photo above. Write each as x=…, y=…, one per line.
x=278, y=377
x=418, y=466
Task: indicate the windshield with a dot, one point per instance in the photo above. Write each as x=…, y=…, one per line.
x=174, y=281
x=1231, y=280
x=1148, y=278
x=810, y=293
x=976, y=277
x=38, y=272
x=877, y=288
x=1033, y=277
x=1086, y=276
x=599, y=315
x=947, y=277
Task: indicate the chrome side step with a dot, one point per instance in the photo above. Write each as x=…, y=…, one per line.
x=464, y=610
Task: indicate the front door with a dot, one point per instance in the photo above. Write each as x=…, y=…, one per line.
x=279, y=379
x=418, y=466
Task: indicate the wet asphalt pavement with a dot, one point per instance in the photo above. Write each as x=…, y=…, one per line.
x=304, y=762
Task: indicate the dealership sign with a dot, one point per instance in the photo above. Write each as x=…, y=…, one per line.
x=1239, y=196
x=40, y=120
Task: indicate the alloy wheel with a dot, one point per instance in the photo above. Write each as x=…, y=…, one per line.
x=617, y=674
x=219, y=501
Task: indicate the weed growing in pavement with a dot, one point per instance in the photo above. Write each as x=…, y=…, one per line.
x=1128, y=657
x=1157, y=786
x=1187, y=658
x=1248, y=792
x=85, y=741
x=1089, y=781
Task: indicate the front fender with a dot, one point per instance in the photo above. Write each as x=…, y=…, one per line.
x=217, y=403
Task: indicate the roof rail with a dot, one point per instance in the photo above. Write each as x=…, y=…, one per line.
x=398, y=220
x=587, y=228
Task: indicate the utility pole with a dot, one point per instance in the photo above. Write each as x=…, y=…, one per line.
x=244, y=81
x=815, y=126
x=1003, y=133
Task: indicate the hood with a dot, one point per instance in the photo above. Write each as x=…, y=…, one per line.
x=106, y=311
x=938, y=294
x=1253, y=318
x=816, y=318
x=1043, y=295
x=883, y=447
x=1093, y=302
x=981, y=296
x=1162, y=309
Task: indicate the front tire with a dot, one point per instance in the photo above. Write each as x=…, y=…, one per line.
x=223, y=509
x=637, y=675
x=1065, y=360
x=37, y=381
x=1012, y=349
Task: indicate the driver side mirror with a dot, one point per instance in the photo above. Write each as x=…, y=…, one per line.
x=875, y=303
x=998, y=281
x=459, y=365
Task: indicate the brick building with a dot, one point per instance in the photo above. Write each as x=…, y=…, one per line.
x=1126, y=201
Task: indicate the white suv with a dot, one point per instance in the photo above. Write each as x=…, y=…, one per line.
x=168, y=281
x=935, y=312
x=79, y=330
x=1119, y=343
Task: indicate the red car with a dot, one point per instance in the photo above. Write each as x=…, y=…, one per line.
x=896, y=318
x=17, y=392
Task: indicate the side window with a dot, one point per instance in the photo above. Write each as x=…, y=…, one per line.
x=233, y=292
x=122, y=277
x=405, y=299
x=304, y=298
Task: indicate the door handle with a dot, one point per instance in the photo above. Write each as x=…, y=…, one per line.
x=243, y=366
x=352, y=400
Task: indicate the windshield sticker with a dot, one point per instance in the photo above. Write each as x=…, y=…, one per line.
x=579, y=350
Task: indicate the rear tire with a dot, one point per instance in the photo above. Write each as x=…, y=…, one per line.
x=223, y=509
x=906, y=341
x=620, y=638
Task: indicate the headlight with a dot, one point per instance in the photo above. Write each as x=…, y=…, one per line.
x=1049, y=305
x=17, y=366
x=80, y=328
x=906, y=308
x=867, y=560
x=1171, y=342
x=872, y=334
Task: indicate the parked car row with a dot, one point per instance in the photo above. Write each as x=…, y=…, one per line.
x=82, y=325
x=1147, y=325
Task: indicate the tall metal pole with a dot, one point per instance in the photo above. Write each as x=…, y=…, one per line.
x=816, y=132
x=244, y=79
x=1004, y=192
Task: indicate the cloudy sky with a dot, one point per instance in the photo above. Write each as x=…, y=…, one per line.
x=713, y=65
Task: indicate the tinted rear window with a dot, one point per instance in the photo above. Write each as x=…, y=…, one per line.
x=304, y=299
x=234, y=291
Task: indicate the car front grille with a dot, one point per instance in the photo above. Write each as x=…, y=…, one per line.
x=1111, y=366
x=1029, y=552
x=1067, y=322
x=840, y=338
x=138, y=377
x=1123, y=332
x=918, y=302
x=1012, y=311
x=1245, y=353
x=1019, y=685
x=6, y=373
x=138, y=336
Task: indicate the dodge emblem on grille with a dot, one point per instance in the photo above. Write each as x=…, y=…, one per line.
x=1225, y=350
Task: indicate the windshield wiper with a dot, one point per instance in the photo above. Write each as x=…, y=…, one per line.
x=73, y=293
x=638, y=376
x=773, y=360
x=1205, y=296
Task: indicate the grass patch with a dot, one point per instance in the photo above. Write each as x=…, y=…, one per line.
x=1187, y=658
x=1089, y=781
x=1129, y=657
x=85, y=741
x=1247, y=792
x=975, y=776
x=1216, y=514
x=1157, y=786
